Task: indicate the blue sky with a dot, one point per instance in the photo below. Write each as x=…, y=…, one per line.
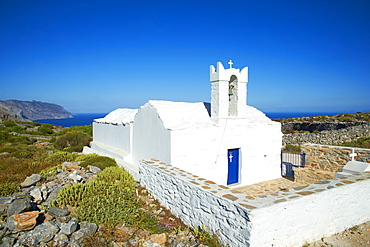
x=96, y=56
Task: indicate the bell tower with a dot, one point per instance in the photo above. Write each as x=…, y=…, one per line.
x=229, y=91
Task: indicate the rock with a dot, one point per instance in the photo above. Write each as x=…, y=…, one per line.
x=68, y=228
x=31, y=180
x=4, y=204
x=53, y=195
x=41, y=234
x=160, y=239
x=19, y=206
x=94, y=169
x=37, y=195
x=22, y=195
x=86, y=229
x=26, y=221
x=11, y=225
x=58, y=212
x=75, y=177
x=60, y=239
x=7, y=242
x=69, y=165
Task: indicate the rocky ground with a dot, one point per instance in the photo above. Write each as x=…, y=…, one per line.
x=34, y=221
x=358, y=236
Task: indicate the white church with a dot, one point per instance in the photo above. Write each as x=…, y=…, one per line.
x=226, y=141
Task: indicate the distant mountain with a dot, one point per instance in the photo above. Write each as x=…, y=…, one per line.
x=31, y=110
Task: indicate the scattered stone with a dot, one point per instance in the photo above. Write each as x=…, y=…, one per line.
x=4, y=204
x=58, y=212
x=160, y=239
x=31, y=180
x=41, y=234
x=7, y=242
x=37, y=195
x=86, y=229
x=26, y=221
x=19, y=206
x=94, y=169
x=61, y=239
x=75, y=177
x=53, y=195
x=68, y=228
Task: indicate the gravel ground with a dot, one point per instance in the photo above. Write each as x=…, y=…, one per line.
x=353, y=237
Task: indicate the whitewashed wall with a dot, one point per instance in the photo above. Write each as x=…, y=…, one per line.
x=116, y=136
x=285, y=218
x=203, y=151
x=150, y=138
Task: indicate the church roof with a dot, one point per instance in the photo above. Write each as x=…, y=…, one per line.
x=181, y=115
x=119, y=116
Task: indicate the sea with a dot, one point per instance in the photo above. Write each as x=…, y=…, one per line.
x=82, y=119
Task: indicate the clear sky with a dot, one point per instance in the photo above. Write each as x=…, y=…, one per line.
x=96, y=56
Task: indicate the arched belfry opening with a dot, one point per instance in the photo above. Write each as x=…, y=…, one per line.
x=233, y=96
x=229, y=92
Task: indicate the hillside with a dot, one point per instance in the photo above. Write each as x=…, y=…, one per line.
x=350, y=117
x=31, y=110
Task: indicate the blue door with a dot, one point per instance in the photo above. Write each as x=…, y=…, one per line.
x=233, y=167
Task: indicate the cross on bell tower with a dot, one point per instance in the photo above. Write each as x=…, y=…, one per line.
x=229, y=91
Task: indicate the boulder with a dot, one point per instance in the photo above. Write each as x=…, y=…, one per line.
x=68, y=228
x=86, y=229
x=31, y=180
x=37, y=195
x=58, y=212
x=7, y=242
x=53, y=195
x=19, y=206
x=60, y=240
x=26, y=221
x=41, y=234
x=4, y=204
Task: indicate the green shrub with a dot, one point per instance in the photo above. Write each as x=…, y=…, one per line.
x=59, y=157
x=7, y=150
x=115, y=174
x=8, y=188
x=111, y=205
x=22, y=154
x=206, y=237
x=9, y=123
x=50, y=171
x=5, y=137
x=87, y=129
x=362, y=142
x=73, y=194
x=292, y=148
x=101, y=161
x=72, y=142
x=45, y=129
x=84, y=157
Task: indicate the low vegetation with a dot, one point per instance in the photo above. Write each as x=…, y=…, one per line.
x=362, y=142
x=351, y=117
x=109, y=200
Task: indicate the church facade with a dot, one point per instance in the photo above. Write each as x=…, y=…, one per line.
x=226, y=141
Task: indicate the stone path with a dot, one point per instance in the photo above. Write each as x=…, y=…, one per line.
x=269, y=187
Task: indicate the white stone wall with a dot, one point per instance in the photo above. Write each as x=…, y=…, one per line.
x=150, y=138
x=291, y=217
x=196, y=206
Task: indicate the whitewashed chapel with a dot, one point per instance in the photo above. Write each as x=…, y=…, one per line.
x=226, y=141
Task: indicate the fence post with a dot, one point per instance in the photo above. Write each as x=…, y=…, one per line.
x=303, y=159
